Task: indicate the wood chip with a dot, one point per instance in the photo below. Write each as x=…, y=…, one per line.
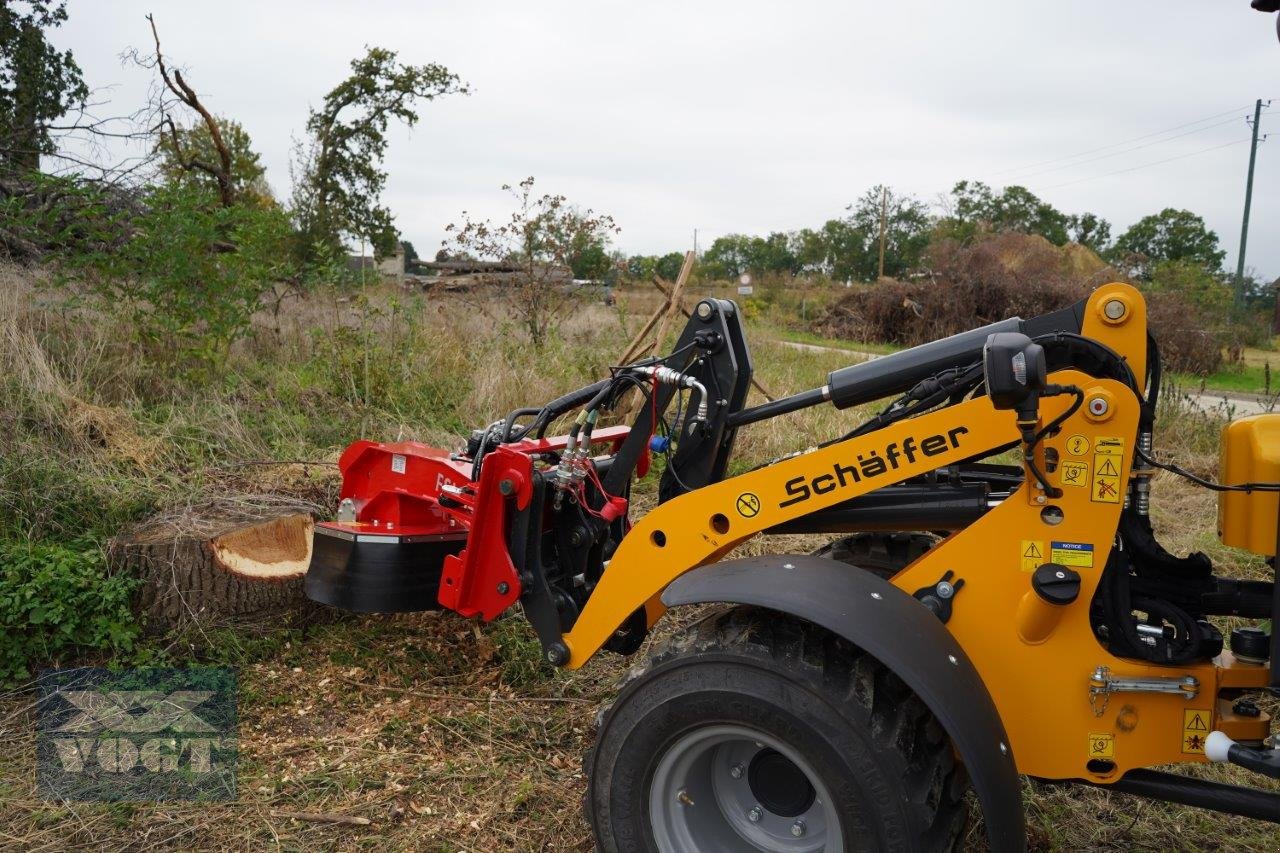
x=326, y=817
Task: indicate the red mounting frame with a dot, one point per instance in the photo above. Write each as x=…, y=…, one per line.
x=409, y=489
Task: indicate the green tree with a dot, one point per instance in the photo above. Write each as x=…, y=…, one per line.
x=1170, y=235
x=668, y=266
x=907, y=226
x=837, y=249
x=590, y=260
x=195, y=143
x=734, y=254
x=1190, y=280
x=976, y=208
x=728, y=256
x=641, y=267
x=809, y=249
x=588, y=248
x=1090, y=230
x=338, y=173
x=38, y=83
x=848, y=254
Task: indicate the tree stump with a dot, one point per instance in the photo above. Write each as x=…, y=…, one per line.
x=233, y=562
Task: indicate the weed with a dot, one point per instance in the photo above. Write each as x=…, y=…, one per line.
x=57, y=601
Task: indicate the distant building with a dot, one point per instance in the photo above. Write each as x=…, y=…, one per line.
x=392, y=265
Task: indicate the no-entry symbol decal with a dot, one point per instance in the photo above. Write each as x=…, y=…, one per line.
x=748, y=504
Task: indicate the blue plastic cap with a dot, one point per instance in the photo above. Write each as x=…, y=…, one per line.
x=659, y=443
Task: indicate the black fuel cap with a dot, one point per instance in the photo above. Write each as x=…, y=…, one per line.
x=1056, y=584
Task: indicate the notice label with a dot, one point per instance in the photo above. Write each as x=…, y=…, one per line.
x=1102, y=745
x=398, y=463
x=1074, y=554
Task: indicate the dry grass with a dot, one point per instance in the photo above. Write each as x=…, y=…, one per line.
x=442, y=734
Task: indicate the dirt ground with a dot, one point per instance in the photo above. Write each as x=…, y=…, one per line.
x=446, y=735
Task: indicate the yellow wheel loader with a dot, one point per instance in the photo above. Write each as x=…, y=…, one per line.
x=971, y=623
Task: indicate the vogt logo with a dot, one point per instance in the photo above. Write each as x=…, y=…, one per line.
x=137, y=734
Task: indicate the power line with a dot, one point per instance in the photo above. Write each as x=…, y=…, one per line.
x=1121, y=142
x=1231, y=120
x=1145, y=165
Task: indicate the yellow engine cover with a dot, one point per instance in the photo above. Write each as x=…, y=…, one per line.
x=1250, y=454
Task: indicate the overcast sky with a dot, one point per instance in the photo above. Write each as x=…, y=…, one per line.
x=753, y=117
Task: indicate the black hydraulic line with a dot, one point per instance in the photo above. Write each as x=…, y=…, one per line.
x=900, y=371
x=1265, y=762
x=782, y=406
x=890, y=374
x=572, y=400
x=901, y=507
x=1189, y=791
x=510, y=423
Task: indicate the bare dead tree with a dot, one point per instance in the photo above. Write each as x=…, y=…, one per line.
x=221, y=172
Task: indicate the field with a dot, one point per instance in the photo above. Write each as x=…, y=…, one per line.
x=440, y=733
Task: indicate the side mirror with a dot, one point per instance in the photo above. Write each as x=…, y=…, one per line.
x=1014, y=369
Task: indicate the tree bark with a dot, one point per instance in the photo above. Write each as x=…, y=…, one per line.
x=228, y=563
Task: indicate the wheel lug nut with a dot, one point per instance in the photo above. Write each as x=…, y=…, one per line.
x=736, y=771
x=797, y=828
x=755, y=814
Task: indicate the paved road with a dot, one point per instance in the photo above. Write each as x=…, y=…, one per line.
x=1227, y=404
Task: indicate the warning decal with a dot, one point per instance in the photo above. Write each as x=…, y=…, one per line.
x=1078, y=445
x=1031, y=554
x=1108, y=446
x=1105, y=487
x=1076, y=554
x=1195, y=728
x=1102, y=745
x=748, y=504
x=1075, y=474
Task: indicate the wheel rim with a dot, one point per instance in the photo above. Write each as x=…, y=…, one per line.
x=729, y=788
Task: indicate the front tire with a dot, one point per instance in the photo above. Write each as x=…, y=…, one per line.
x=754, y=730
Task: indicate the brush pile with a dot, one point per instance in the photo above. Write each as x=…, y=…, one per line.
x=1006, y=275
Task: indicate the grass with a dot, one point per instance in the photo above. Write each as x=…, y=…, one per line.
x=444, y=734
x=1243, y=378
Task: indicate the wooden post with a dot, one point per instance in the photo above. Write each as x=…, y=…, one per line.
x=884, y=214
x=673, y=301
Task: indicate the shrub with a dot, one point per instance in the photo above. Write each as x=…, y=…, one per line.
x=1189, y=343
x=191, y=275
x=1010, y=275
x=56, y=600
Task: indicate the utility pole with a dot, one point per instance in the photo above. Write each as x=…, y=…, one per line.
x=884, y=214
x=1248, y=202
x=695, y=242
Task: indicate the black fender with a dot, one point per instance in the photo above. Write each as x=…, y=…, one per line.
x=902, y=634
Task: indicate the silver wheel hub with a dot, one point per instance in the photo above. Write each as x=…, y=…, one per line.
x=732, y=788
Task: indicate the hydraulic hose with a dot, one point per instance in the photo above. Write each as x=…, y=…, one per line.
x=1219, y=747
